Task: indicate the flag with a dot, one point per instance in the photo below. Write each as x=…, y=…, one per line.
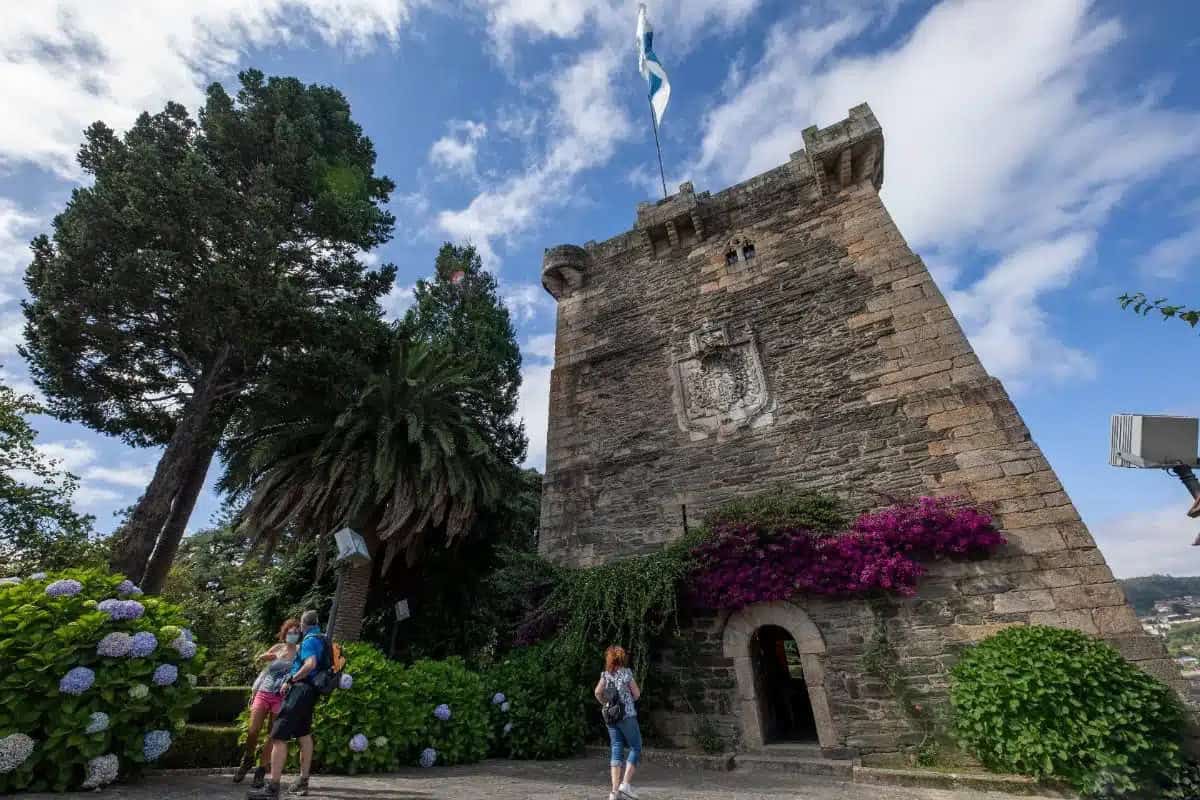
x=650, y=67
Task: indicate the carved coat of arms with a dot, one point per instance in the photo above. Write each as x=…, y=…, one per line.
x=720, y=385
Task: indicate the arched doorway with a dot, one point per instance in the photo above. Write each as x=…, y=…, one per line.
x=785, y=711
x=743, y=637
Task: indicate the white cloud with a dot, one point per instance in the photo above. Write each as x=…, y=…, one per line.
x=135, y=477
x=1149, y=542
x=525, y=300
x=997, y=136
x=533, y=406
x=90, y=497
x=67, y=63
x=12, y=327
x=458, y=150
x=73, y=455
x=1171, y=257
x=540, y=346
x=397, y=301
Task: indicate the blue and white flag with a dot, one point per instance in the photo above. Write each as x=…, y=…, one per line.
x=650, y=67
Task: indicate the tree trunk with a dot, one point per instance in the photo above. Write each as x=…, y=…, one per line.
x=172, y=532
x=138, y=536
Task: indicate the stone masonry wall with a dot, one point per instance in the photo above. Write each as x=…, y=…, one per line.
x=872, y=392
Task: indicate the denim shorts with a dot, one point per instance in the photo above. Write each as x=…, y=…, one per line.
x=622, y=735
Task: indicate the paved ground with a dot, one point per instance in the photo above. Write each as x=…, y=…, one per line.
x=579, y=779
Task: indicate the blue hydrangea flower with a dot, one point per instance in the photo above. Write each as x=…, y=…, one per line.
x=139, y=691
x=155, y=743
x=12, y=580
x=498, y=698
x=358, y=743
x=442, y=712
x=507, y=728
x=118, y=609
x=15, y=749
x=505, y=706
x=128, y=587
x=187, y=634
x=97, y=723
x=64, y=588
x=101, y=771
x=115, y=645
x=77, y=681
x=346, y=681
x=186, y=648
x=428, y=757
x=144, y=643
x=166, y=674
x=38, y=576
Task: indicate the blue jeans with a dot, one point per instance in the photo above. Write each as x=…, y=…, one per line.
x=625, y=734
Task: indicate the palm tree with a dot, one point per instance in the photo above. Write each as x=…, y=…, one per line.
x=402, y=458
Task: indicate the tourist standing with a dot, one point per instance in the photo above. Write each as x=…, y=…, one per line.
x=294, y=720
x=618, y=692
x=266, y=698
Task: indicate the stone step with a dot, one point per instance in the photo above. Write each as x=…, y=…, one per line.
x=796, y=764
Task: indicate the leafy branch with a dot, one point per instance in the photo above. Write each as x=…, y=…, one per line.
x=1144, y=305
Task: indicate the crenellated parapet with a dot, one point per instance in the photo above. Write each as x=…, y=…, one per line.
x=564, y=269
x=845, y=153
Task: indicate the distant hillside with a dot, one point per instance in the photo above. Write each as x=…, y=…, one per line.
x=1144, y=592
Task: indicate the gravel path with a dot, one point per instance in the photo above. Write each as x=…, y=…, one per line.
x=579, y=779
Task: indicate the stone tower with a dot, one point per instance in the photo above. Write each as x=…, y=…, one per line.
x=782, y=331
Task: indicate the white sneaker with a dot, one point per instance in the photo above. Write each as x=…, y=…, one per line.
x=613, y=796
x=628, y=791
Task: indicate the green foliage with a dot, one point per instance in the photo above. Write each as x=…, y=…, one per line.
x=783, y=507
x=1147, y=590
x=460, y=313
x=1184, y=640
x=204, y=746
x=42, y=638
x=1059, y=704
x=547, y=704
x=1183, y=784
x=219, y=705
x=1144, y=305
x=425, y=685
x=39, y=530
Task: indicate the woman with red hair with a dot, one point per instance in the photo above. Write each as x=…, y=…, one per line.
x=618, y=692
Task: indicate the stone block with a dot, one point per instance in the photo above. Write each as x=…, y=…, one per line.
x=1116, y=619
x=1139, y=647
x=1096, y=595
x=1078, y=620
x=1044, y=539
x=1020, y=602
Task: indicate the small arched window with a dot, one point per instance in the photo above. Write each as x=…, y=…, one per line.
x=739, y=249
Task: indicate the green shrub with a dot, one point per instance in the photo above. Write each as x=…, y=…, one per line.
x=782, y=507
x=203, y=746
x=425, y=685
x=220, y=705
x=1183, y=784
x=538, y=705
x=55, y=683
x=1059, y=704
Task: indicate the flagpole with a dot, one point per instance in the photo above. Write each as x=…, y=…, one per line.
x=654, y=124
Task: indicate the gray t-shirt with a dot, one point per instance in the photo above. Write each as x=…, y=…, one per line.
x=620, y=680
x=271, y=679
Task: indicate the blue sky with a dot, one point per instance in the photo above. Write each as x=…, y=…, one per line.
x=1041, y=157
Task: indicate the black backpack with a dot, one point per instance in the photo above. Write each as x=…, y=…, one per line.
x=613, y=710
x=327, y=676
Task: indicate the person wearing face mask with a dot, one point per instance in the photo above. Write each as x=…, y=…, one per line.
x=266, y=697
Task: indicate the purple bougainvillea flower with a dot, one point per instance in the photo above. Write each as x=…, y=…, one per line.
x=442, y=712
x=428, y=757
x=77, y=681
x=15, y=750
x=346, y=681
x=143, y=644
x=155, y=743
x=97, y=722
x=64, y=588
x=101, y=771
x=166, y=674
x=498, y=698
x=358, y=743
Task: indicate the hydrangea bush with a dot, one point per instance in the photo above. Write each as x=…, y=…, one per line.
x=1060, y=704
x=537, y=703
x=746, y=563
x=78, y=680
x=460, y=738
